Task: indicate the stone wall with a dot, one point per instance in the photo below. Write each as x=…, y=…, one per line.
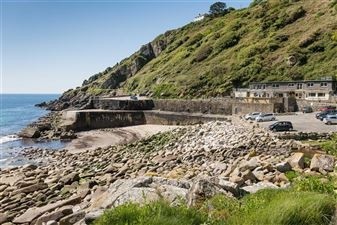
x=241, y=108
x=172, y=118
x=122, y=104
x=314, y=104
x=221, y=106
x=95, y=119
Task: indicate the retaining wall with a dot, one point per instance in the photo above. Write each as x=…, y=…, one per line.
x=96, y=119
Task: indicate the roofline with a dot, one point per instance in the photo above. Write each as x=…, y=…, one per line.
x=301, y=81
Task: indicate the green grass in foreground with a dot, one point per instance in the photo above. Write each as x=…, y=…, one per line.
x=267, y=207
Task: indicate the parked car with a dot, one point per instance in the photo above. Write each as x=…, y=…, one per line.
x=252, y=116
x=281, y=126
x=265, y=117
x=325, y=108
x=330, y=119
x=307, y=109
x=323, y=115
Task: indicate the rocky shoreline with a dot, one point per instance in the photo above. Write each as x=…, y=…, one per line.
x=47, y=128
x=190, y=164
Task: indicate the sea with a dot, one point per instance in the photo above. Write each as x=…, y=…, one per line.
x=16, y=112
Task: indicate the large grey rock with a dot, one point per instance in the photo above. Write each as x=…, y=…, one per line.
x=3, y=218
x=92, y=216
x=259, y=186
x=322, y=162
x=202, y=189
x=296, y=161
x=139, y=190
x=30, y=132
x=68, y=179
x=283, y=167
x=72, y=218
x=33, y=213
x=31, y=188
x=56, y=215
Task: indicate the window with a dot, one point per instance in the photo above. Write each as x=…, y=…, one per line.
x=324, y=84
x=312, y=94
x=275, y=85
x=321, y=94
x=310, y=84
x=263, y=86
x=291, y=85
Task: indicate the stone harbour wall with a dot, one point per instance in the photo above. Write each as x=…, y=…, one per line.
x=96, y=119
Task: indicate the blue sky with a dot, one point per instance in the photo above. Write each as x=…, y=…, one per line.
x=51, y=46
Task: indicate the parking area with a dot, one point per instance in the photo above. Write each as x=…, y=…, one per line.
x=304, y=123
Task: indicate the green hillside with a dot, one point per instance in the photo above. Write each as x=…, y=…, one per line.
x=270, y=40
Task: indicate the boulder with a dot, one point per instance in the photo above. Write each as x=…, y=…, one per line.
x=202, y=189
x=3, y=218
x=68, y=179
x=296, y=161
x=31, y=188
x=34, y=213
x=72, y=218
x=259, y=186
x=283, y=167
x=30, y=132
x=56, y=215
x=322, y=162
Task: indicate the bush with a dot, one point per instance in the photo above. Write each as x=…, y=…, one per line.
x=227, y=41
x=195, y=39
x=280, y=207
x=330, y=146
x=203, y=53
x=156, y=213
x=315, y=184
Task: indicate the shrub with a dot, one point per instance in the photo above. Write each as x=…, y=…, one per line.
x=334, y=36
x=330, y=146
x=220, y=207
x=156, y=213
x=203, y=53
x=281, y=207
x=195, y=39
x=227, y=41
x=281, y=38
x=314, y=184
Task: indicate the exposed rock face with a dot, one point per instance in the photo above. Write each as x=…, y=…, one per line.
x=321, y=162
x=297, y=161
x=30, y=132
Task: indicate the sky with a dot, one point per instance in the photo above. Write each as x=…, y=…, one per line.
x=50, y=46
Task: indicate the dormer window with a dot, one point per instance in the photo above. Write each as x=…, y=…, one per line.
x=324, y=84
x=275, y=85
x=310, y=84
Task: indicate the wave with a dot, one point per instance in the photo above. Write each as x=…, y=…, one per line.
x=9, y=138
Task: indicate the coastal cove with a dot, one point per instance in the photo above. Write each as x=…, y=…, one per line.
x=17, y=111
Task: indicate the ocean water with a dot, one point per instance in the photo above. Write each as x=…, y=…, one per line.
x=16, y=112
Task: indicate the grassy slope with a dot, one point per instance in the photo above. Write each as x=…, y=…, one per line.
x=208, y=58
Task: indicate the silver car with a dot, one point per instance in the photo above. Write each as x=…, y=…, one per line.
x=330, y=119
x=252, y=116
x=265, y=117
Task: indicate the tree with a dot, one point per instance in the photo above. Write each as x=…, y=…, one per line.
x=218, y=8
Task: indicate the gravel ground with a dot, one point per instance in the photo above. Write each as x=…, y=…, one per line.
x=304, y=123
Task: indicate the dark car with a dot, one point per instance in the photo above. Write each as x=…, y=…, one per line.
x=307, y=109
x=323, y=114
x=325, y=108
x=281, y=126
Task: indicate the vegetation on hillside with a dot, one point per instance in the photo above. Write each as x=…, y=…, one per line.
x=268, y=207
x=270, y=40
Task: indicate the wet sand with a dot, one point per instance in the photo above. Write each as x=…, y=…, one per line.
x=90, y=140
